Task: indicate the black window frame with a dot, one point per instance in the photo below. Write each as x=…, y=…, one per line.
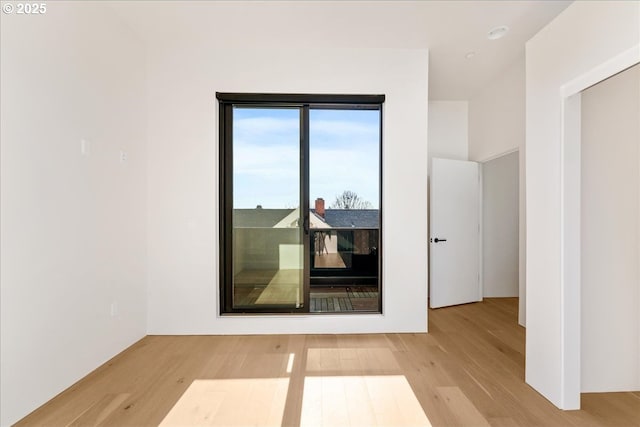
x=304, y=102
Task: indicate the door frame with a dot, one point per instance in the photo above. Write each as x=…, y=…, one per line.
x=570, y=250
x=303, y=102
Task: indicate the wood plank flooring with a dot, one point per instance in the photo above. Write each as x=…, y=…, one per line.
x=468, y=371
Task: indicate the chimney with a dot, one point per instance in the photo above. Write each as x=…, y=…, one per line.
x=320, y=206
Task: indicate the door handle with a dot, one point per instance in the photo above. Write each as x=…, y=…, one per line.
x=305, y=225
x=439, y=240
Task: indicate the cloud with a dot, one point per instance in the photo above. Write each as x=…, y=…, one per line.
x=265, y=127
x=268, y=160
x=344, y=154
x=335, y=170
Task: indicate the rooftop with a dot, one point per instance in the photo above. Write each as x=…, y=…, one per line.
x=338, y=218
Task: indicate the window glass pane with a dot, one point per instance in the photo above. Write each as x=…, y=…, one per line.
x=267, y=234
x=344, y=190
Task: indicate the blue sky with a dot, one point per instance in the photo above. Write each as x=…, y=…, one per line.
x=344, y=155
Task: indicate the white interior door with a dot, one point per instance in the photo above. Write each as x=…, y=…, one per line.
x=454, y=268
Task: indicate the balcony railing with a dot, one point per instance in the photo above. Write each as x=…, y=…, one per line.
x=344, y=255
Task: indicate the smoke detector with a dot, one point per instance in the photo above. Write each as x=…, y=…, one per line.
x=497, y=32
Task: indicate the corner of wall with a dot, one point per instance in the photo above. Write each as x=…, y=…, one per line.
x=73, y=204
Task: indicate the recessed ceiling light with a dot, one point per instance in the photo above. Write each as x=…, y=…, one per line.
x=470, y=55
x=497, y=32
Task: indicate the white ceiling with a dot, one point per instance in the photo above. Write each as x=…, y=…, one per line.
x=449, y=29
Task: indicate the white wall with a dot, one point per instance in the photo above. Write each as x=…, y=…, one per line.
x=582, y=40
x=610, y=224
x=496, y=127
x=500, y=226
x=73, y=227
x=496, y=115
x=448, y=130
x=182, y=177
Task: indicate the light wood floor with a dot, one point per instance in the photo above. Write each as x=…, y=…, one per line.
x=468, y=371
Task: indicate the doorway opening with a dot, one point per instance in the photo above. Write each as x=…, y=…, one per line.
x=475, y=230
x=501, y=226
x=610, y=234
x=573, y=304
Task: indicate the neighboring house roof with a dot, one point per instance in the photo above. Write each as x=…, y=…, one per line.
x=358, y=218
x=259, y=217
x=285, y=218
x=292, y=220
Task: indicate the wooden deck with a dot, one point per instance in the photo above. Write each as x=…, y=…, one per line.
x=343, y=298
x=268, y=287
x=332, y=260
x=468, y=371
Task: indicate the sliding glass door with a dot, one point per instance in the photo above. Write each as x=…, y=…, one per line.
x=299, y=204
x=344, y=189
x=267, y=246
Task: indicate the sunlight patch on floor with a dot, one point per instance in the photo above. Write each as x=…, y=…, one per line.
x=361, y=401
x=234, y=402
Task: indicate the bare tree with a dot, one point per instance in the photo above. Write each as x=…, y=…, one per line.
x=350, y=200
